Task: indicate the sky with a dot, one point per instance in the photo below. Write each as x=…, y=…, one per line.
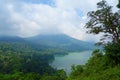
x=27, y=18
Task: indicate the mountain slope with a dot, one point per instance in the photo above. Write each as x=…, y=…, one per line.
x=11, y=39
x=62, y=42
x=20, y=43
x=53, y=43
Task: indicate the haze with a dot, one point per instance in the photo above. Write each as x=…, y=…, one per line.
x=26, y=18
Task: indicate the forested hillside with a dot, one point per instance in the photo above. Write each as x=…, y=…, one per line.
x=29, y=58
x=20, y=61
x=62, y=42
x=103, y=65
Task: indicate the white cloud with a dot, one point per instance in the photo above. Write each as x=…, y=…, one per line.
x=29, y=19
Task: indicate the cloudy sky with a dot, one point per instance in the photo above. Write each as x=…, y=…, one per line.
x=28, y=18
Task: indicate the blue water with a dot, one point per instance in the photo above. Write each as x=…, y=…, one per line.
x=76, y=58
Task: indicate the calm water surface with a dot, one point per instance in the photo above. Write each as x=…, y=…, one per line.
x=65, y=62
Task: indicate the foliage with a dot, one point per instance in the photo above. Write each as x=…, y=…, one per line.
x=118, y=5
x=20, y=61
x=113, y=52
x=99, y=67
x=59, y=75
x=103, y=20
x=102, y=65
x=76, y=70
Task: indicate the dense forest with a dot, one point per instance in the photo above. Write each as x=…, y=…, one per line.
x=20, y=61
x=23, y=61
x=105, y=64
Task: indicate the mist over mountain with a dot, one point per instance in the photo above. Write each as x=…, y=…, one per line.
x=62, y=41
x=11, y=39
x=58, y=42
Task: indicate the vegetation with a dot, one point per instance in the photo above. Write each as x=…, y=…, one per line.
x=118, y=5
x=61, y=43
x=20, y=61
x=104, y=21
x=103, y=65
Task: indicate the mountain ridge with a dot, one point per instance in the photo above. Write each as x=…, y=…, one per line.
x=62, y=41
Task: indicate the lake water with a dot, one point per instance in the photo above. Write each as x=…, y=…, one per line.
x=76, y=58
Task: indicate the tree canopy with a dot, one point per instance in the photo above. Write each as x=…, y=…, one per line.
x=118, y=5
x=105, y=21
x=102, y=65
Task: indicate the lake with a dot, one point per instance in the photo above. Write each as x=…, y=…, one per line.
x=76, y=58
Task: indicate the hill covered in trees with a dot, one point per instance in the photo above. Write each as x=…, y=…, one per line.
x=62, y=42
x=53, y=44
x=21, y=60
x=103, y=65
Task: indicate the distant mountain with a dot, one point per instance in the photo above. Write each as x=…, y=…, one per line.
x=53, y=43
x=62, y=42
x=11, y=39
x=22, y=43
x=14, y=43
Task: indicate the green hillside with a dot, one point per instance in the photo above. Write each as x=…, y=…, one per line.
x=103, y=65
x=21, y=61
x=62, y=42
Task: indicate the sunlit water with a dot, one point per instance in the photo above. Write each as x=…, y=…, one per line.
x=65, y=62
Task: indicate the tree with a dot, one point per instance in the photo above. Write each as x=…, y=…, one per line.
x=76, y=71
x=118, y=5
x=103, y=20
x=113, y=53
